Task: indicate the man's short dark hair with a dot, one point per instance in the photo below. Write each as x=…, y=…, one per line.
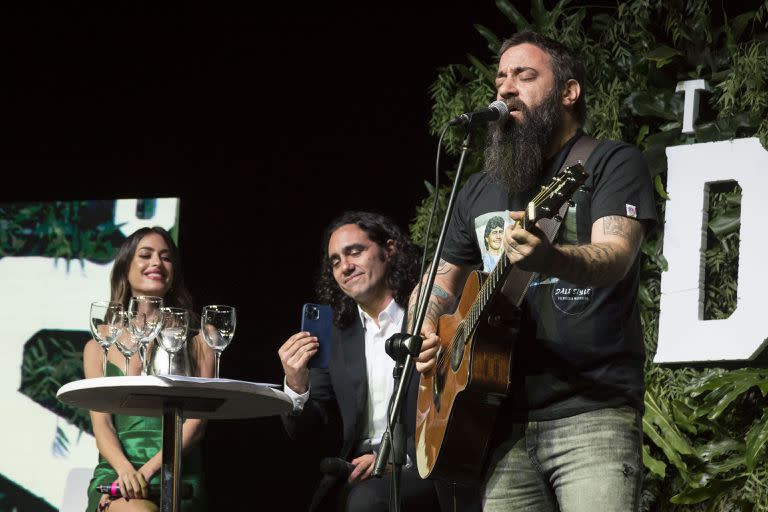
x=402, y=269
x=565, y=64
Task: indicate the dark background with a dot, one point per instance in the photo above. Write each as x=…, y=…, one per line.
x=267, y=120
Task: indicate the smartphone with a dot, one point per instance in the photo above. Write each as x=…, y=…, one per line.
x=317, y=319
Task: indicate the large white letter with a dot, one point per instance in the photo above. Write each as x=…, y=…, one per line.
x=683, y=334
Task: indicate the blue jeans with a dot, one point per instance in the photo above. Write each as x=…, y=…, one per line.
x=585, y=463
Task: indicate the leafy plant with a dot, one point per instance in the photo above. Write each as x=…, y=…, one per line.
x=51, y=359
x=60, y=229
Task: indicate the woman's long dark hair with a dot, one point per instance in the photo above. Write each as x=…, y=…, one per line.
x=177, y=296
x=402, y=269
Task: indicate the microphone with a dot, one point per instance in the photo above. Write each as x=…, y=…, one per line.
x=335, y=466
x=113, y=490
x=498, y=111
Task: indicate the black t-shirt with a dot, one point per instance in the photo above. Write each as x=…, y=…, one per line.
x=580, y=348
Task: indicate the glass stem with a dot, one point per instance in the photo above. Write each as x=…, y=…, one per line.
x=127, y=359
x=218, y=358
x=170, y=360
x=143, y=358
x=104, y=366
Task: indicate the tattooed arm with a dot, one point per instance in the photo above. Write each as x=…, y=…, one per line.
x=449, y=281
x=605, y=260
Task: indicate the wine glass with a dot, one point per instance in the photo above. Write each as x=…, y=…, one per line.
x=126, y=342
x=144, y=322
x=218, y=326
x=175, y=323
x=107, y=322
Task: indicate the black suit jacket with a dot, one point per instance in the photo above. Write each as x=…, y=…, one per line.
x=338, y=399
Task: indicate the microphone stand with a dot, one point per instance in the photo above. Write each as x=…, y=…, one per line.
x=408, y=346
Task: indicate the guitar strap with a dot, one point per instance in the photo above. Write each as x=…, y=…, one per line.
x=579, y=152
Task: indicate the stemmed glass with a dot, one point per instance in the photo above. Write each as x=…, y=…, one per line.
x=218, y=327
x=174, y=332
x=126, y=343
x=107, y=322
x=144, y=322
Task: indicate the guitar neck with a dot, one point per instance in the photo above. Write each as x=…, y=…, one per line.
x=503, y=272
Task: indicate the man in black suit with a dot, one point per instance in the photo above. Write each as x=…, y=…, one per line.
x=368, y=271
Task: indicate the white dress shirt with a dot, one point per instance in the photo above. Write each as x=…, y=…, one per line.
x=379, y=366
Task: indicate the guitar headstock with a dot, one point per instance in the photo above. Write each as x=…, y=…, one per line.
x=552, y=196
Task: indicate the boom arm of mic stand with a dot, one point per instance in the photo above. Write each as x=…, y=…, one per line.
x=386, y=440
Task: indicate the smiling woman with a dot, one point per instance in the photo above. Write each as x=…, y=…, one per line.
x=145, y=265
x=152, y=272
x=129, y=446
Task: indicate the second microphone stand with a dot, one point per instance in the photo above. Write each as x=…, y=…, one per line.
x=407, y=346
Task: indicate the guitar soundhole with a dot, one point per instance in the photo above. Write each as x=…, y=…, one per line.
x=438, y=382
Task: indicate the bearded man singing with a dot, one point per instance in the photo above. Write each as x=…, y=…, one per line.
x=568, y=436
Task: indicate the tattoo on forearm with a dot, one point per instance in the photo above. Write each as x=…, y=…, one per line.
x=433, y=312
x=605, y=262
x=439, y=303
x=588, y=264
x=412, y=314
x=443, y=267
x=439, y=292
x=616, y=225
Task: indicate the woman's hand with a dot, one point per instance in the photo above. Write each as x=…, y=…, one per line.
x=133, y=484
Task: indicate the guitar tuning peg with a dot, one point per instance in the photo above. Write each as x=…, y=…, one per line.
x=571, y=203
x=558, y=218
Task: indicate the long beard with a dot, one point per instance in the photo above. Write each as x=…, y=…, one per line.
x=514, y=151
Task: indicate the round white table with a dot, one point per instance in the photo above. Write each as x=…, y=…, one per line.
x=174, y=398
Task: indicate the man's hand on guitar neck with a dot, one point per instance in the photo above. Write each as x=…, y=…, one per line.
x=528, y=249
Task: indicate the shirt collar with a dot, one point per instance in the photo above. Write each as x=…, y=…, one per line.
x=393, y=312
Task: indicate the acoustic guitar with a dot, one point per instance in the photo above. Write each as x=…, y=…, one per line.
x=458, y=401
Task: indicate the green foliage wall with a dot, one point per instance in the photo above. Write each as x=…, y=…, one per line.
x=705, y=428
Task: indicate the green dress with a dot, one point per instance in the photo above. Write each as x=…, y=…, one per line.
x=142, y=438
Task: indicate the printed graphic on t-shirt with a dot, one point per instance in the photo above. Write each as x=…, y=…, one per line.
x=571, y=299
x=489, y=229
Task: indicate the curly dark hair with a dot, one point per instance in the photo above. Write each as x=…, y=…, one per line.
x=566, y=65
x=402, y=270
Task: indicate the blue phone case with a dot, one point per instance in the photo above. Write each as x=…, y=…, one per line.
x=317, y=319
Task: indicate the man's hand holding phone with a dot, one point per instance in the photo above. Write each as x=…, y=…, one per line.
x=317, y=319
x=308, y=348
x=295, y=354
